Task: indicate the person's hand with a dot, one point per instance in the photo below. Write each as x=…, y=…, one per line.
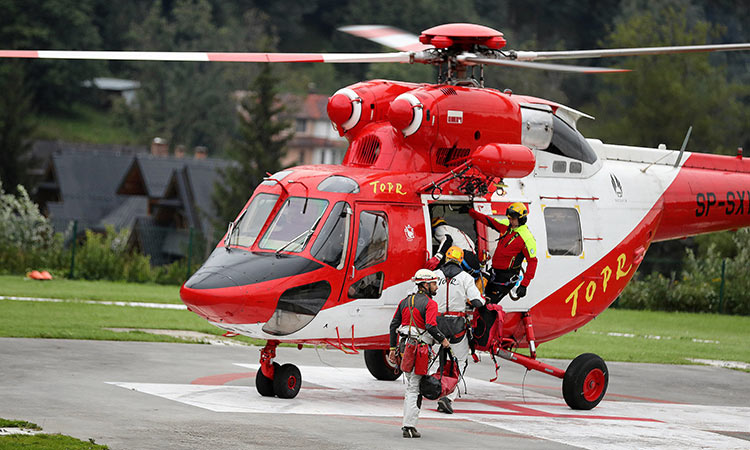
x=445, y=343
x=392, y=356
x=521, y=291
x=432, y=263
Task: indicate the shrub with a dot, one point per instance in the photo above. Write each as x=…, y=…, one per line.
x=26, y=237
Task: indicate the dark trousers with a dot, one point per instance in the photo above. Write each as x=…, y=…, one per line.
x=501, y=282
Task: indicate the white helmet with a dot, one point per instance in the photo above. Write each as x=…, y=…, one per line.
x=424, y=276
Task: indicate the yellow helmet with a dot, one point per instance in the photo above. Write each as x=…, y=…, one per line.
x=454, y=254
x=517, y=210
x=437, y=220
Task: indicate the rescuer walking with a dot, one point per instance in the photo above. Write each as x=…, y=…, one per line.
x=457, y=293
x=515, y=243
x=415, y=318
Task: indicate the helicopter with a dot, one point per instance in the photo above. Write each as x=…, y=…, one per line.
x=322, y=254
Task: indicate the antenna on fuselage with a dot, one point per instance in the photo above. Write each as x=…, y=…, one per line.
x=684, y=144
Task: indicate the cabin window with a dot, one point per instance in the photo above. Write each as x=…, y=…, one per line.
x=370, y=286
x=330, y=244
x=252, y=219
x=294, y=224
x=559, y=166
x=563, y=231
x=339, y=183
x=567, y=141
x=372, y=241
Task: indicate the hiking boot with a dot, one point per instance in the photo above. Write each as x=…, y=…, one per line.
x=410, y=432
x=444, y=405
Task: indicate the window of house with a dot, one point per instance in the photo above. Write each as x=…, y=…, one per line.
x=372, y=241
x=563, y=231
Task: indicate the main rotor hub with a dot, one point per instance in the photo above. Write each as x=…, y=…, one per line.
x=462, y=35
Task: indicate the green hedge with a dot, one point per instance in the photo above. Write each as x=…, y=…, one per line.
x=698, y=287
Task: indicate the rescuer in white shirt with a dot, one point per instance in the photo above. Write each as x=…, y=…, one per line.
x=457, y=294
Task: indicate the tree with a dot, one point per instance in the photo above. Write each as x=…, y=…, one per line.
x=16, y=126
x=665, y=94
x=189, y=103
x=52, y=25
x=264, y=136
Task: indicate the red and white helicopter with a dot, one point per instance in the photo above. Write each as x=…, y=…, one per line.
x=322, y=254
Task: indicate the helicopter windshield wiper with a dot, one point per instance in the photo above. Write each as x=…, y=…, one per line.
x=305, y=234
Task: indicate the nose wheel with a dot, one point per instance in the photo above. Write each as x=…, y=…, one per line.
x=274, y=379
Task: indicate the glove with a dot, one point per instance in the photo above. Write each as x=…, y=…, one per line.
x=464, y=209
x=521, y=291
x=432, y=263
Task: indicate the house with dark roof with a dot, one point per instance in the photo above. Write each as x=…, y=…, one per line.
x=165, y=201
x=178, y=192
x=82, y=186
x=315, y=140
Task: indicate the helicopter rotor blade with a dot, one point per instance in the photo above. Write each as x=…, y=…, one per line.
x=635, y=51
x=539, y=66
x=399, y=57
x=387, y=36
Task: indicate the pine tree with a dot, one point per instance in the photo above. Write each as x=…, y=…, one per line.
x=16, y=127
x=262, y=143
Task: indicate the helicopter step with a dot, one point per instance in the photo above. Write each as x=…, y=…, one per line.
x=274, y=379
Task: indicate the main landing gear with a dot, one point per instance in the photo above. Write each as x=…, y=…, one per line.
x=584, y=381
x=379, y=366
x=283, y=381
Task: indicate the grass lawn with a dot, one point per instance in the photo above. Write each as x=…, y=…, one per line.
x=20, y=286
x=85, y=124
x=616, y=335
x=41, y=441
x=656, y=337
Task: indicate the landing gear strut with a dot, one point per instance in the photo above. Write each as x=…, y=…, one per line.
x=584, y=381
x=283, y=381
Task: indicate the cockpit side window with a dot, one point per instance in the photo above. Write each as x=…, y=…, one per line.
x=294, y=224
x=372, y=241
x=566, y=141
x=252, y=220
x=330, y=244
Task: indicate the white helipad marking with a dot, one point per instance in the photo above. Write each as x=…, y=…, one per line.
x=353, y=392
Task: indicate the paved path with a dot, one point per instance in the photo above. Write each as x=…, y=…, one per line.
x=134, y=395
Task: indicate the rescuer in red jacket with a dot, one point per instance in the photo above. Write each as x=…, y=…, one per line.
x=415, y=317
x=515, y=244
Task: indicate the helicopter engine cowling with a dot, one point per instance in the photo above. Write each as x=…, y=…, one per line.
x=504, y=160
x=354, y=107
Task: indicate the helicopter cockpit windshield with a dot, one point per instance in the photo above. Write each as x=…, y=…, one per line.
x=294, y=224
x=246, y=229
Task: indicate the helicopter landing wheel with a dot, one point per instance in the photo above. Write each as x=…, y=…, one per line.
x=286, y=381
x=585, y=381
x=379, y=366
x=263, y=384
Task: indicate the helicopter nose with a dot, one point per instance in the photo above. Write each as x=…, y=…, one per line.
x=213, y=295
